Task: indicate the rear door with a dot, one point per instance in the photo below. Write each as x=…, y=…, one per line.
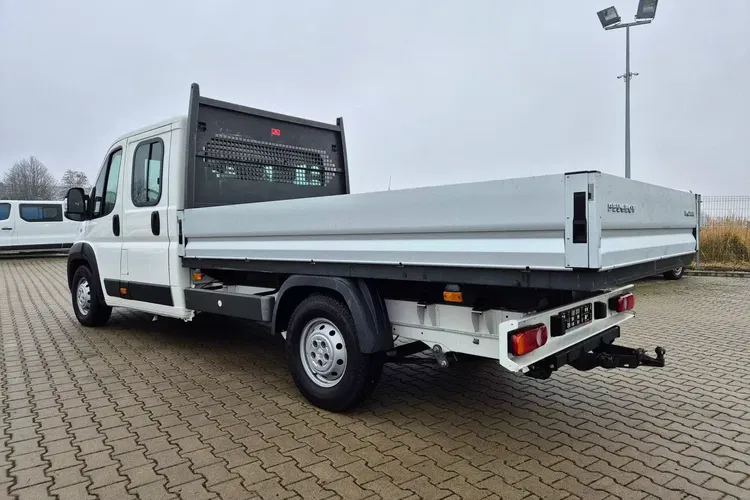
x=144, y=270
x=6, y=224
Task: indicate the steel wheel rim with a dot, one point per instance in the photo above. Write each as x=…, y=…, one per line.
x=83, y=297
x=323, y=352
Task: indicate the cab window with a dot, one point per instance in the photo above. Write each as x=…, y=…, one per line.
x=147, y=171
x=104, y=193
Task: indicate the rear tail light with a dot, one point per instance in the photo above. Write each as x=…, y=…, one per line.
x=528, y=339
x=622, y=303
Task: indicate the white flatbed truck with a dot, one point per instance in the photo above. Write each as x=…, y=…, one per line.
x=247, y=213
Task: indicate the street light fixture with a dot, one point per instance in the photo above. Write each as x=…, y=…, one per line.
x=608, y=17
x=646, y=9
x=611, y=21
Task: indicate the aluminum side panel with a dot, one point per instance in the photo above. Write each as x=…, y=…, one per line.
x=642, y=222
x=511, y=223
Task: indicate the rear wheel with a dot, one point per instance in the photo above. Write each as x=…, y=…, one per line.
x=88, y=303
x=324, y=355
x=674, y=274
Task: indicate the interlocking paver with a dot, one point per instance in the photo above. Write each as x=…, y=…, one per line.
x=160, y=410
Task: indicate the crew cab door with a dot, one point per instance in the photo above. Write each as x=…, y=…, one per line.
x=104, y=227
x=144, y=271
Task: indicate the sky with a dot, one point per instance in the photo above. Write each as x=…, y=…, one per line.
x=431, y=91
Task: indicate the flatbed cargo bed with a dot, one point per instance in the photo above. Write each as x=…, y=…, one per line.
x=269, y=193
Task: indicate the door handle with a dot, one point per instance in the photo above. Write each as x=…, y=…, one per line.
x=155, y=223
x=7, y=229
x=116, y=225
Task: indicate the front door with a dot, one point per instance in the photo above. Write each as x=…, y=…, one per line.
x=103, y=230
x=145, y=252
x=6, y=225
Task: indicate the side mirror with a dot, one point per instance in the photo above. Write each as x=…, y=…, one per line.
x=75, y=207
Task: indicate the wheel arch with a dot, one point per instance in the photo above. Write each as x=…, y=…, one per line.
x=82, y=253
x=361, y=297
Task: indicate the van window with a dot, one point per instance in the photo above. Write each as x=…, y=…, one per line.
x=4, y=211
x=31, y=212
x=147, y=170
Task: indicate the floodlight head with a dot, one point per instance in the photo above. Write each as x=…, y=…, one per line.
x=646, y=9
x=608, y=17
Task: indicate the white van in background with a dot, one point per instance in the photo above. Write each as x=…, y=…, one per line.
x=33, y=226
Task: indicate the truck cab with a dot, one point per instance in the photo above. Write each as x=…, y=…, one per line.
x=129, y=226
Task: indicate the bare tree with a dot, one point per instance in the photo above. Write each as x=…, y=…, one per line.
x=71, y=179
x=74, y=178
x=2, y=190
x=29, y=179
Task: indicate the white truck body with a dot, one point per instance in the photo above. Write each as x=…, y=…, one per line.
x=247, y=213
x=35, y=226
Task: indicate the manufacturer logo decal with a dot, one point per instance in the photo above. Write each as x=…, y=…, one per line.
x=276, y=131
x=689, y=213
x=620, y=208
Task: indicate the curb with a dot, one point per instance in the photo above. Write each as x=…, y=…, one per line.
x=719, y=274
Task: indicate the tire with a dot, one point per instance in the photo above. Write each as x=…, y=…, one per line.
x=91, y=310
x=322, y=330
x=675, y=274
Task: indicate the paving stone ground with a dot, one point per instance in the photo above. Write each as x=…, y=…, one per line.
x=162, y=410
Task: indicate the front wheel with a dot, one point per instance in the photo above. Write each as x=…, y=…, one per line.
x=88, y=305
x=674, y=274
x=324, y=355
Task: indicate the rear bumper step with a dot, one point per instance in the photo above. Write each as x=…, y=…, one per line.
x=597, y=351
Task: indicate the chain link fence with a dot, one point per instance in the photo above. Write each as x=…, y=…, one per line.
x=725, y=231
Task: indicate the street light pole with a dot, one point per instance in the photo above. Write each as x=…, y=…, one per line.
x=627, y=76
x=611, y=20
x=627, y=102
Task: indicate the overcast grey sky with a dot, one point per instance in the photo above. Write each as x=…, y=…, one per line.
x=431, y=91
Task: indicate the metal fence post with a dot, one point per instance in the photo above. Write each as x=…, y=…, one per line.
x=698, y=231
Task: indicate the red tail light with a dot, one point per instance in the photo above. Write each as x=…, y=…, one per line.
x=528, y=339
x=623, y=303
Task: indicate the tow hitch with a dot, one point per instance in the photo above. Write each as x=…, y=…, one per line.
x=598, y=351
x=615, y=356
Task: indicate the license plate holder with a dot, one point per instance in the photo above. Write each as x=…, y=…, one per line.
x=569, y=319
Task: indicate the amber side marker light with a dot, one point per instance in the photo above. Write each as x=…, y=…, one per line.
x=452, y=293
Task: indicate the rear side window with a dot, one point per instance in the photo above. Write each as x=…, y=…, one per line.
x=147, y=170
x=41, y=213
x=4, y=211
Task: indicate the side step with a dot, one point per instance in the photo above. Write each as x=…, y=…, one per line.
x=240, y=305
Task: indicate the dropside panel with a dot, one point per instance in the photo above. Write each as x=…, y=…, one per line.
x=643, y=223
x=506, y=224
